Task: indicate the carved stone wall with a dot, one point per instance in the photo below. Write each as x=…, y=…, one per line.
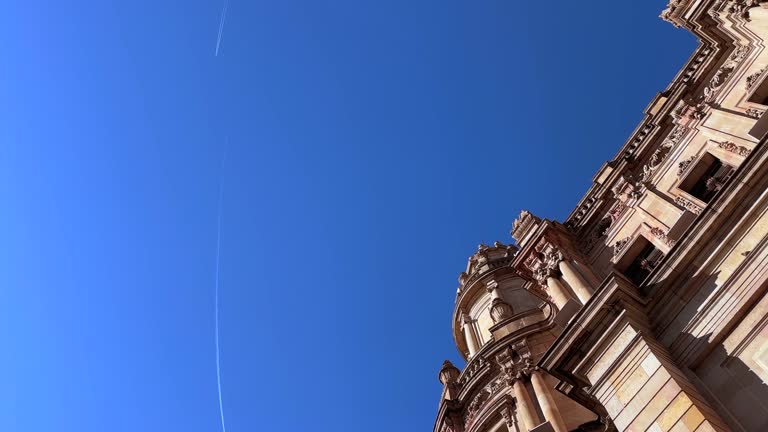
x=685, y=346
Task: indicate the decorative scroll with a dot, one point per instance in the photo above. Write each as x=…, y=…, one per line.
x=619, y=246
x=752, y=79
x=688, y=205
x=684, y=165
x=663, y=236
x=733, y=148
x=722, y=74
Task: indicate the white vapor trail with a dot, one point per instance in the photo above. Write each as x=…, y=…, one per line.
x=218, y=261
x=221, y=26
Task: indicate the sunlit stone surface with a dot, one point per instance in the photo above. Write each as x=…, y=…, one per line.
x=646, y=309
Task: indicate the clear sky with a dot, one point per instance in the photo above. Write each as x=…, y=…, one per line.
x=371, y=145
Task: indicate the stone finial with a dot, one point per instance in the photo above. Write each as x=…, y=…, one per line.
x=484, y=255
x=463, y=276
x=449, y=373
x=524, y=225
x=500, y=310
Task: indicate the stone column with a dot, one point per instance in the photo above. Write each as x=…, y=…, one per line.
x=493, y=288
x=575, y=280
x=469, y=334
x=547, y=402
x=555, y=287
x=525, y=405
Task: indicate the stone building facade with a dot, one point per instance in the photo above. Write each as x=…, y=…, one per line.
x=646, y=309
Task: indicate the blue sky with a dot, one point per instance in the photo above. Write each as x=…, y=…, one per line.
x=371, y=145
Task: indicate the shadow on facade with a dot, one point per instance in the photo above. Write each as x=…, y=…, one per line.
x=731, y=387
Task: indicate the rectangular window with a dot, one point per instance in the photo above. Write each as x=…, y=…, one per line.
x=759, y=89
x=639, y=260
x=706, y=178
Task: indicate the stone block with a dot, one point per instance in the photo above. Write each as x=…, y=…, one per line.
x=673, y=412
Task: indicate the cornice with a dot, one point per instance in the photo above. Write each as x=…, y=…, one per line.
x=668, y=120
x=676, y=275
x=475, y=364
x=671, y=279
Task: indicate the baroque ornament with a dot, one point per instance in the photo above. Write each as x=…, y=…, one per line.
x=717, y=81
x=754, y=113
x=740, y=8
x=733, y=148
x=663, y=236
x=476, y=404
x=687, y=110
x=684, y=165
x=752, y=79
x=472, y=369
x=671, y=13
x=656, y=159
x=628, y=188
x=619, y=246
x=615, y=213
x=688, y=205
x=677, y=133
x=515, y=361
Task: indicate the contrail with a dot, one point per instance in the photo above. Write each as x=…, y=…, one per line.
x=221, y=26
x=218, y=261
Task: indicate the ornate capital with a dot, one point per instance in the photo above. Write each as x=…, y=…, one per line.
x=552, y=258
x=515, y=361
x=465, y=318
x=491, y=285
